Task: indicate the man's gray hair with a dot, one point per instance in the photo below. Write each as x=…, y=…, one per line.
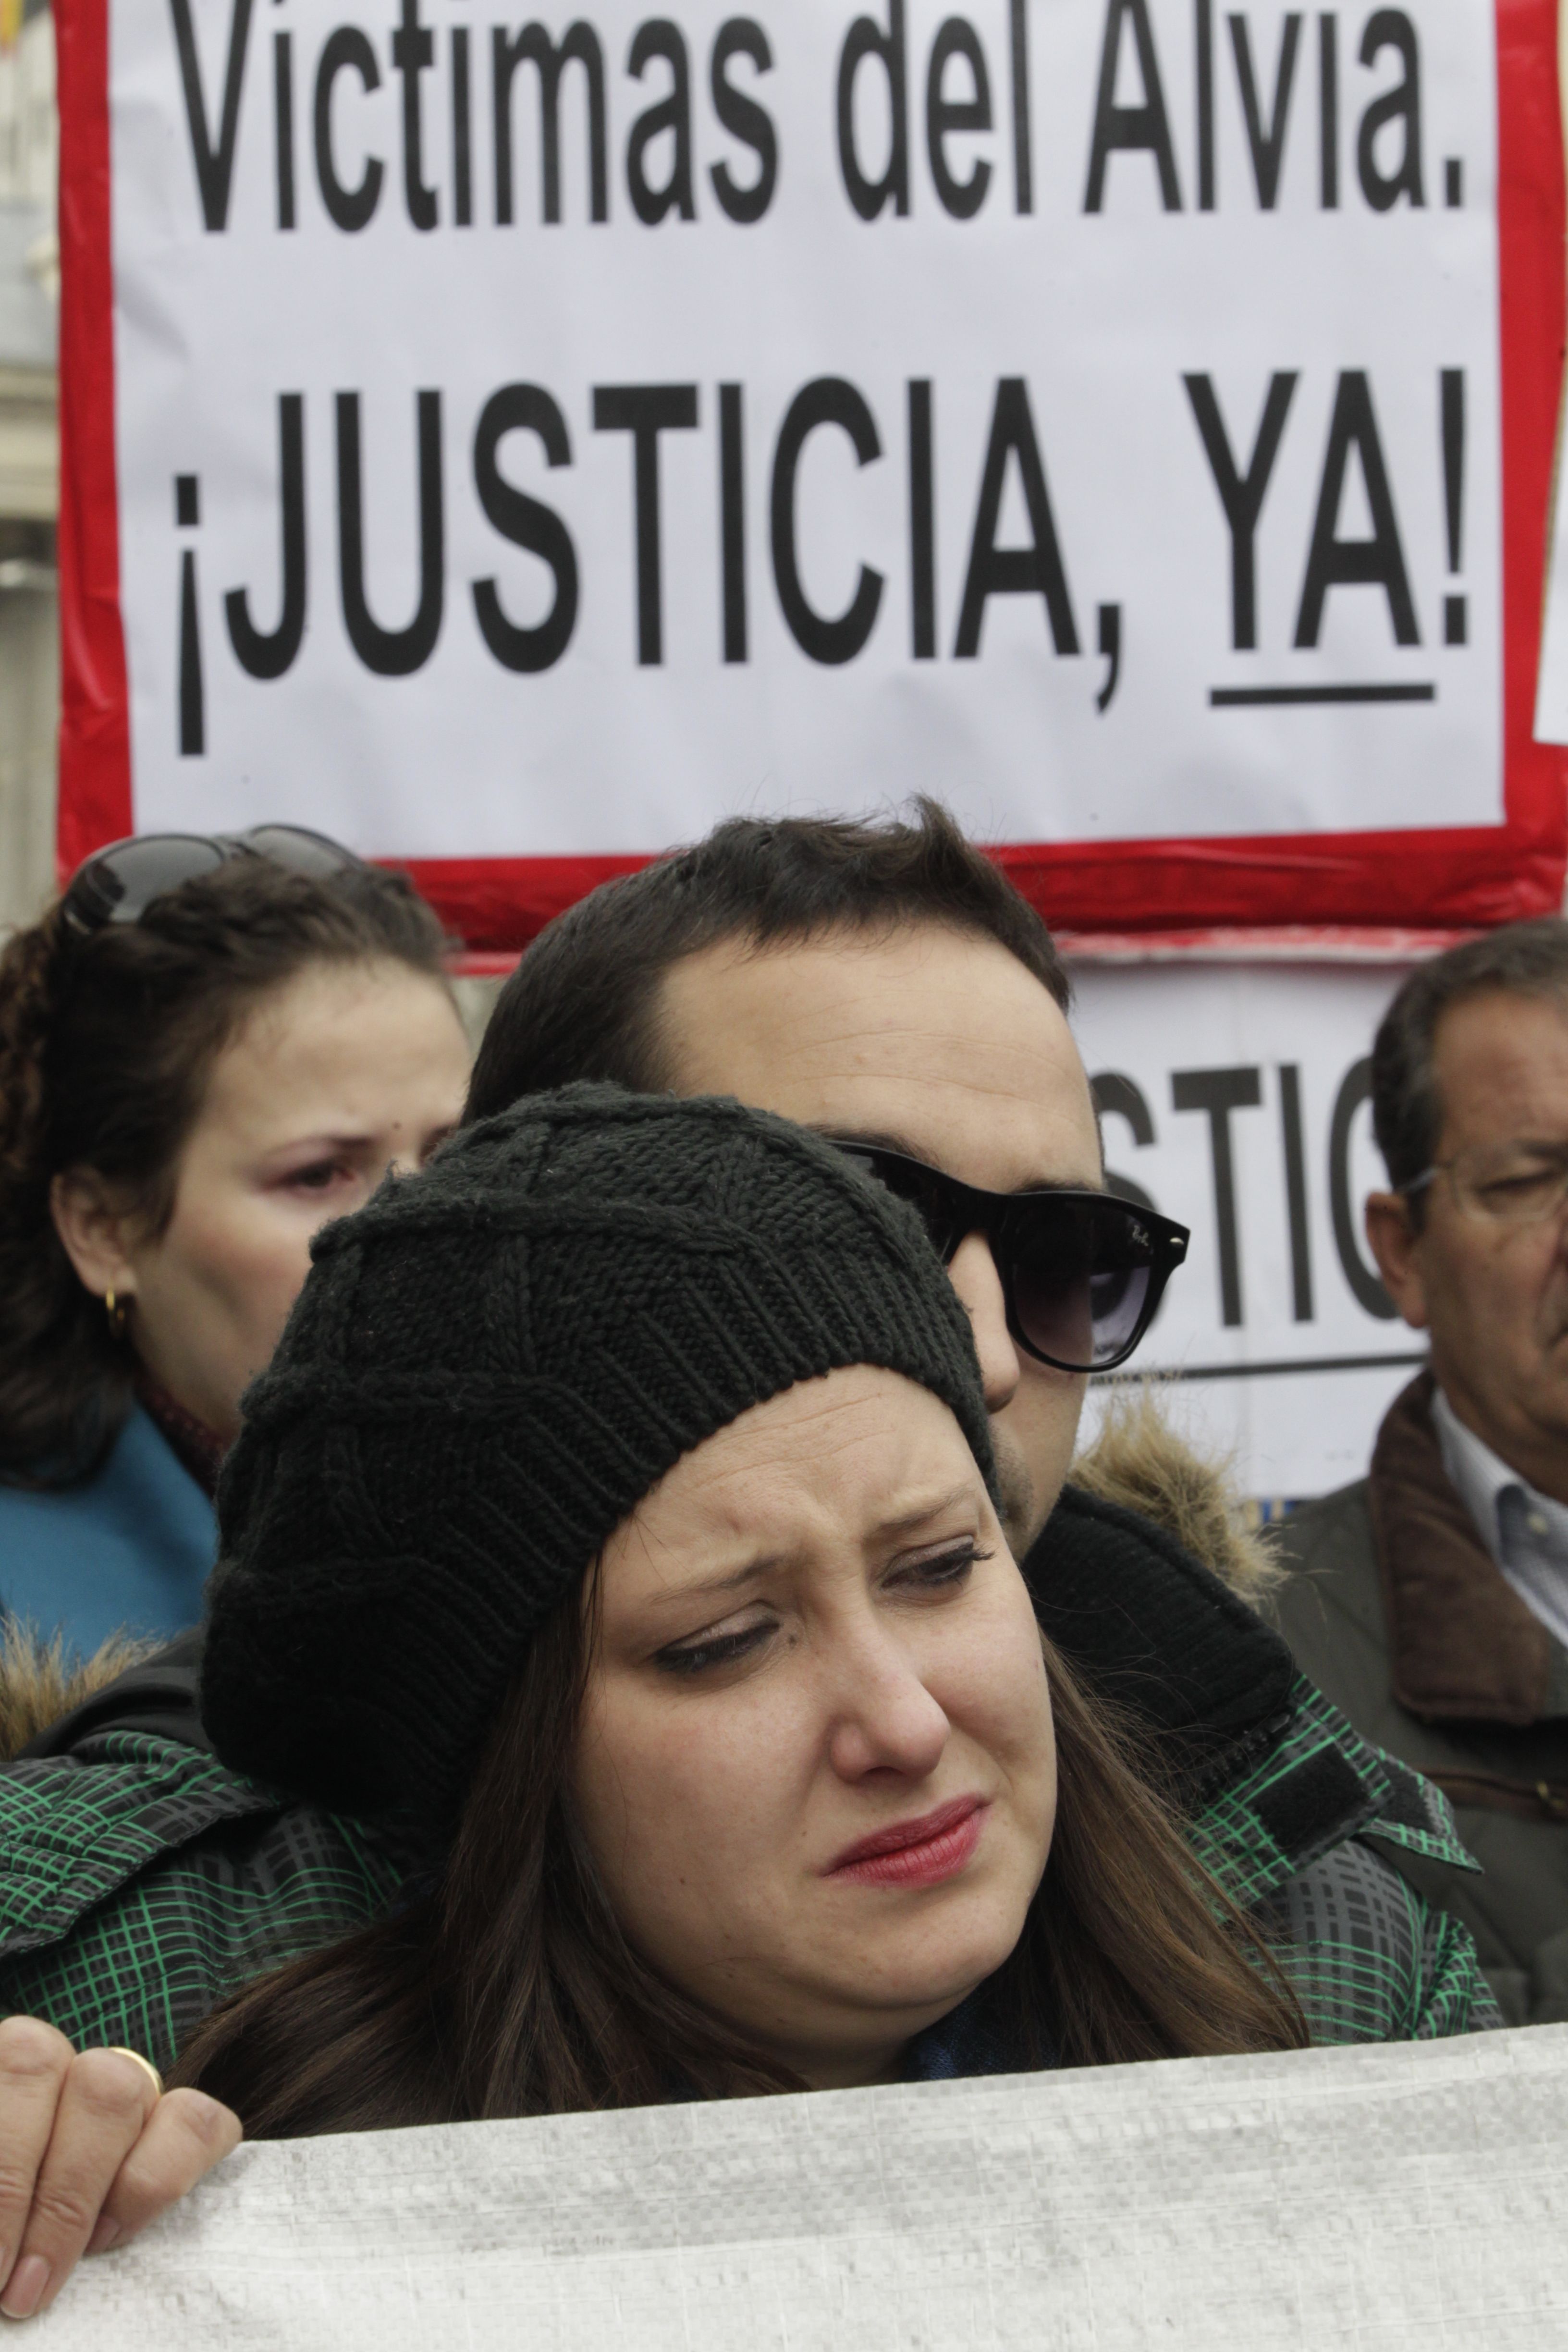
x=1520, y=960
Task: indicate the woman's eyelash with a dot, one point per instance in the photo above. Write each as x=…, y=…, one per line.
x=721, y=1652
x=724, y=1649
x=947, y=1567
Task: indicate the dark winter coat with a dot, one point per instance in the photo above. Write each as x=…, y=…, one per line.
x=1397, y=1612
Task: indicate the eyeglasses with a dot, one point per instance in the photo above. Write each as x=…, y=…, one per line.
x=118, y=885
x=1503, y=1183
x=1082, y=1272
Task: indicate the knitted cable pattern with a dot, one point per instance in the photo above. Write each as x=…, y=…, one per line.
x=489, y=1366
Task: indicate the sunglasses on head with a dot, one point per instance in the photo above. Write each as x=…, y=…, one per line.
x=1082, y=1272
x=118, y=885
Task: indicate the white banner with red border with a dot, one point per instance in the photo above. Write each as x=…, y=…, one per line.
x=512, y=442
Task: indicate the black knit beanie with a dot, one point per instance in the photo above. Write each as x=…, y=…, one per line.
x=488, y=1367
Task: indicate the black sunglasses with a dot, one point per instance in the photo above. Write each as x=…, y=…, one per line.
x=118, y=885
x=1081, y=1273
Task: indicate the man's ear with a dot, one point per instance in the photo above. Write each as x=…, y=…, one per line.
x=1396, y=1245
x=95, y=1230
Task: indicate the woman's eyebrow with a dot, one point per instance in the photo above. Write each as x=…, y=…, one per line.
x=703, y=1587
x=897, y=1523
x=320, y=1140
x=902, y=1523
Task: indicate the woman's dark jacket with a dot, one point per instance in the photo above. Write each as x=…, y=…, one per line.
x=141, y=1880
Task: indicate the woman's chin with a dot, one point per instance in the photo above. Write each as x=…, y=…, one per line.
x=947, y=1964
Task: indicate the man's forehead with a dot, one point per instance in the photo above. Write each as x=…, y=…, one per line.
x=1502, y=1066
x=937, y=1042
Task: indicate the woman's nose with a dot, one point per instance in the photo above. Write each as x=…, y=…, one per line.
x=973, y=1273
x=886, y=1720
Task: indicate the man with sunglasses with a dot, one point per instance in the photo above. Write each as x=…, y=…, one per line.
x=1434, y=1606
x=884, y=985
x=887, y=987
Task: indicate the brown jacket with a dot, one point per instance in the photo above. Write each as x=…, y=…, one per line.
x=1397, y=1612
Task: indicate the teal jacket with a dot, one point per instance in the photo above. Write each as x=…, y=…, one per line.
x=128, y=1550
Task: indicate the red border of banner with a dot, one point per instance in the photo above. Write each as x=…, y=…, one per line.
x=1462, y=877
x=95, y=733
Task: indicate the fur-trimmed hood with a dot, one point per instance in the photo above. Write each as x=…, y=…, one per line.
x=42, y=1680
x=1138, y=1461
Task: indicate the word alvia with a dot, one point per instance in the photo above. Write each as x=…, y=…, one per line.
x=645, y=414
x=453, y=90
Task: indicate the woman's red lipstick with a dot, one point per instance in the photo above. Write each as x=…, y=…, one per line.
x=916, y=1853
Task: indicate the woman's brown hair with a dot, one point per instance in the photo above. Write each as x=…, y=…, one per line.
x=507, y=1987
x=106, y=1045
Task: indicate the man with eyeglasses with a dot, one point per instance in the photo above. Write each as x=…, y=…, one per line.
x=1433, y=1599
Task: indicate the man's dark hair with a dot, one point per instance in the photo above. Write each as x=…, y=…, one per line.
x=584, y=1003
x=1520, y=960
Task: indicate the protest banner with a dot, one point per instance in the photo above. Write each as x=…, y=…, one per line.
x=1399, y=2197
x=1234, y=1096
x=511, y=442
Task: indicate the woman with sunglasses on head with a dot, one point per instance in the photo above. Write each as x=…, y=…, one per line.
x=208, y=1047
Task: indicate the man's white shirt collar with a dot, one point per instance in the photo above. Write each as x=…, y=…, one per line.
x=1526, y=1533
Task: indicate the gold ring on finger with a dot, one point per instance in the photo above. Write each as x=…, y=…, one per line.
x=119, y=2049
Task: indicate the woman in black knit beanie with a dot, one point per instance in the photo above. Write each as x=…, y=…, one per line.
x=614, y=1525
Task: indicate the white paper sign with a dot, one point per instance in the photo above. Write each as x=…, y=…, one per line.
x=1236, y=1096
x=1394, y=2199
x=492, y=483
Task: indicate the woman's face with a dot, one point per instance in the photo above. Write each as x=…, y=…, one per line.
x=815, y=1766
x=345, y=1071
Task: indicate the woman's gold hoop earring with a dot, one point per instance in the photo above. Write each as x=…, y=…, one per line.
x=115, y=1311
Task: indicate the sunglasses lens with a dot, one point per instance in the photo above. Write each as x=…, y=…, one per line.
x=1082, y=1272
x=120, y=883
x=1116, y=1306
x=927, y=1191
x=301, y=851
